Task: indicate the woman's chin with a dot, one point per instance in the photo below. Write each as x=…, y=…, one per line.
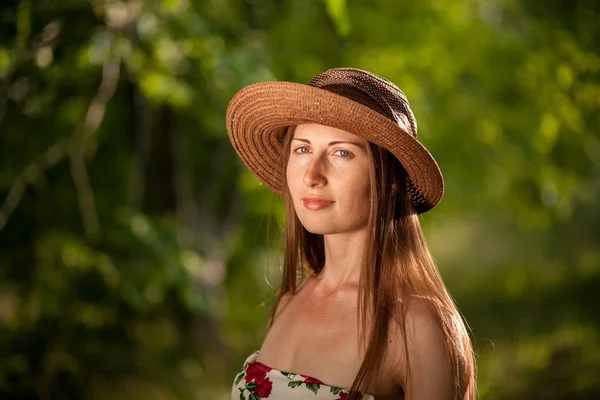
x=318, y=227
x=324, y=228
x=319, y=230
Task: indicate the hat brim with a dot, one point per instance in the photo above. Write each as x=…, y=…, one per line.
x=259, y=114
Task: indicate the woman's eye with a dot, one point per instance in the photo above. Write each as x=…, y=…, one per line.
x=302, y=149
x=344, y=153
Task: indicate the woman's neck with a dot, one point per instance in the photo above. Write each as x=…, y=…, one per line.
x=344, y=254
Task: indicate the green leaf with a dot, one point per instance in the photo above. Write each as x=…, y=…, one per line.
x=239, y=377
x=313, y=387
x=253, y=397
x=335, y=390
x=251, y=386
x=294, y=384
x=242, y=394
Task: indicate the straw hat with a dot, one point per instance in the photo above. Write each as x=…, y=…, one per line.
x=350, y=99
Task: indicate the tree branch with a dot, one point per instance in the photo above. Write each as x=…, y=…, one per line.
x=84, y=139
x=75, y=146
x=29, y=175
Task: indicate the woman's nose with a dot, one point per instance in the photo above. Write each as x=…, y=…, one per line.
x=314, y=175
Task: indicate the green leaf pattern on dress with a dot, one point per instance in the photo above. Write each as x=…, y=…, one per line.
x=256, y=381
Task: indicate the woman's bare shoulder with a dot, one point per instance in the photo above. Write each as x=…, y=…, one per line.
x=283, y=302
x=419, y=333
x=286, y=297
x=410, y=310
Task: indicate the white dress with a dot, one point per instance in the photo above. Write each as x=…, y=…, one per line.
x=257, y=381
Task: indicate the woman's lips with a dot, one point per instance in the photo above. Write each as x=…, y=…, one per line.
x=315, y=203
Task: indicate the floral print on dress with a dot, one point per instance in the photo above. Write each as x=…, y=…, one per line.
x=257, y=381
x=257, y=384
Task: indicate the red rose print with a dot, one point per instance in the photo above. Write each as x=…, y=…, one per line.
x=310, y=379
x=255, y=372
x=263, y=389
x=263, y=366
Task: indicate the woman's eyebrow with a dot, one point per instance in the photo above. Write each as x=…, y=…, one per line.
x=358, y=144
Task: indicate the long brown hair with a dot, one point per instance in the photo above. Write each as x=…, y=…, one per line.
x=400, y=268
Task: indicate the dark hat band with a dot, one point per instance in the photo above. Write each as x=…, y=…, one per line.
x=370, y=90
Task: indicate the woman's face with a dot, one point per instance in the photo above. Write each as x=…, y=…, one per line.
x=328, y=179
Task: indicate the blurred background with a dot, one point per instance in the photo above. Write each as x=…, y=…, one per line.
x=139, y=259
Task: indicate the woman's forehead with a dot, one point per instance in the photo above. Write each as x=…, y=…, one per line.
x=324, y=132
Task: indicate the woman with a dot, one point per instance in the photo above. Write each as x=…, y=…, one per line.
x=362, y=311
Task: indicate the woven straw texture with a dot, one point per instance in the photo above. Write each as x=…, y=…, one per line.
x=353, y=100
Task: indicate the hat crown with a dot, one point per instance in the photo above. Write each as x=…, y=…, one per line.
x=370, y=90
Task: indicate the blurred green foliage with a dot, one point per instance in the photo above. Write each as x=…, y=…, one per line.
x=138, y=258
